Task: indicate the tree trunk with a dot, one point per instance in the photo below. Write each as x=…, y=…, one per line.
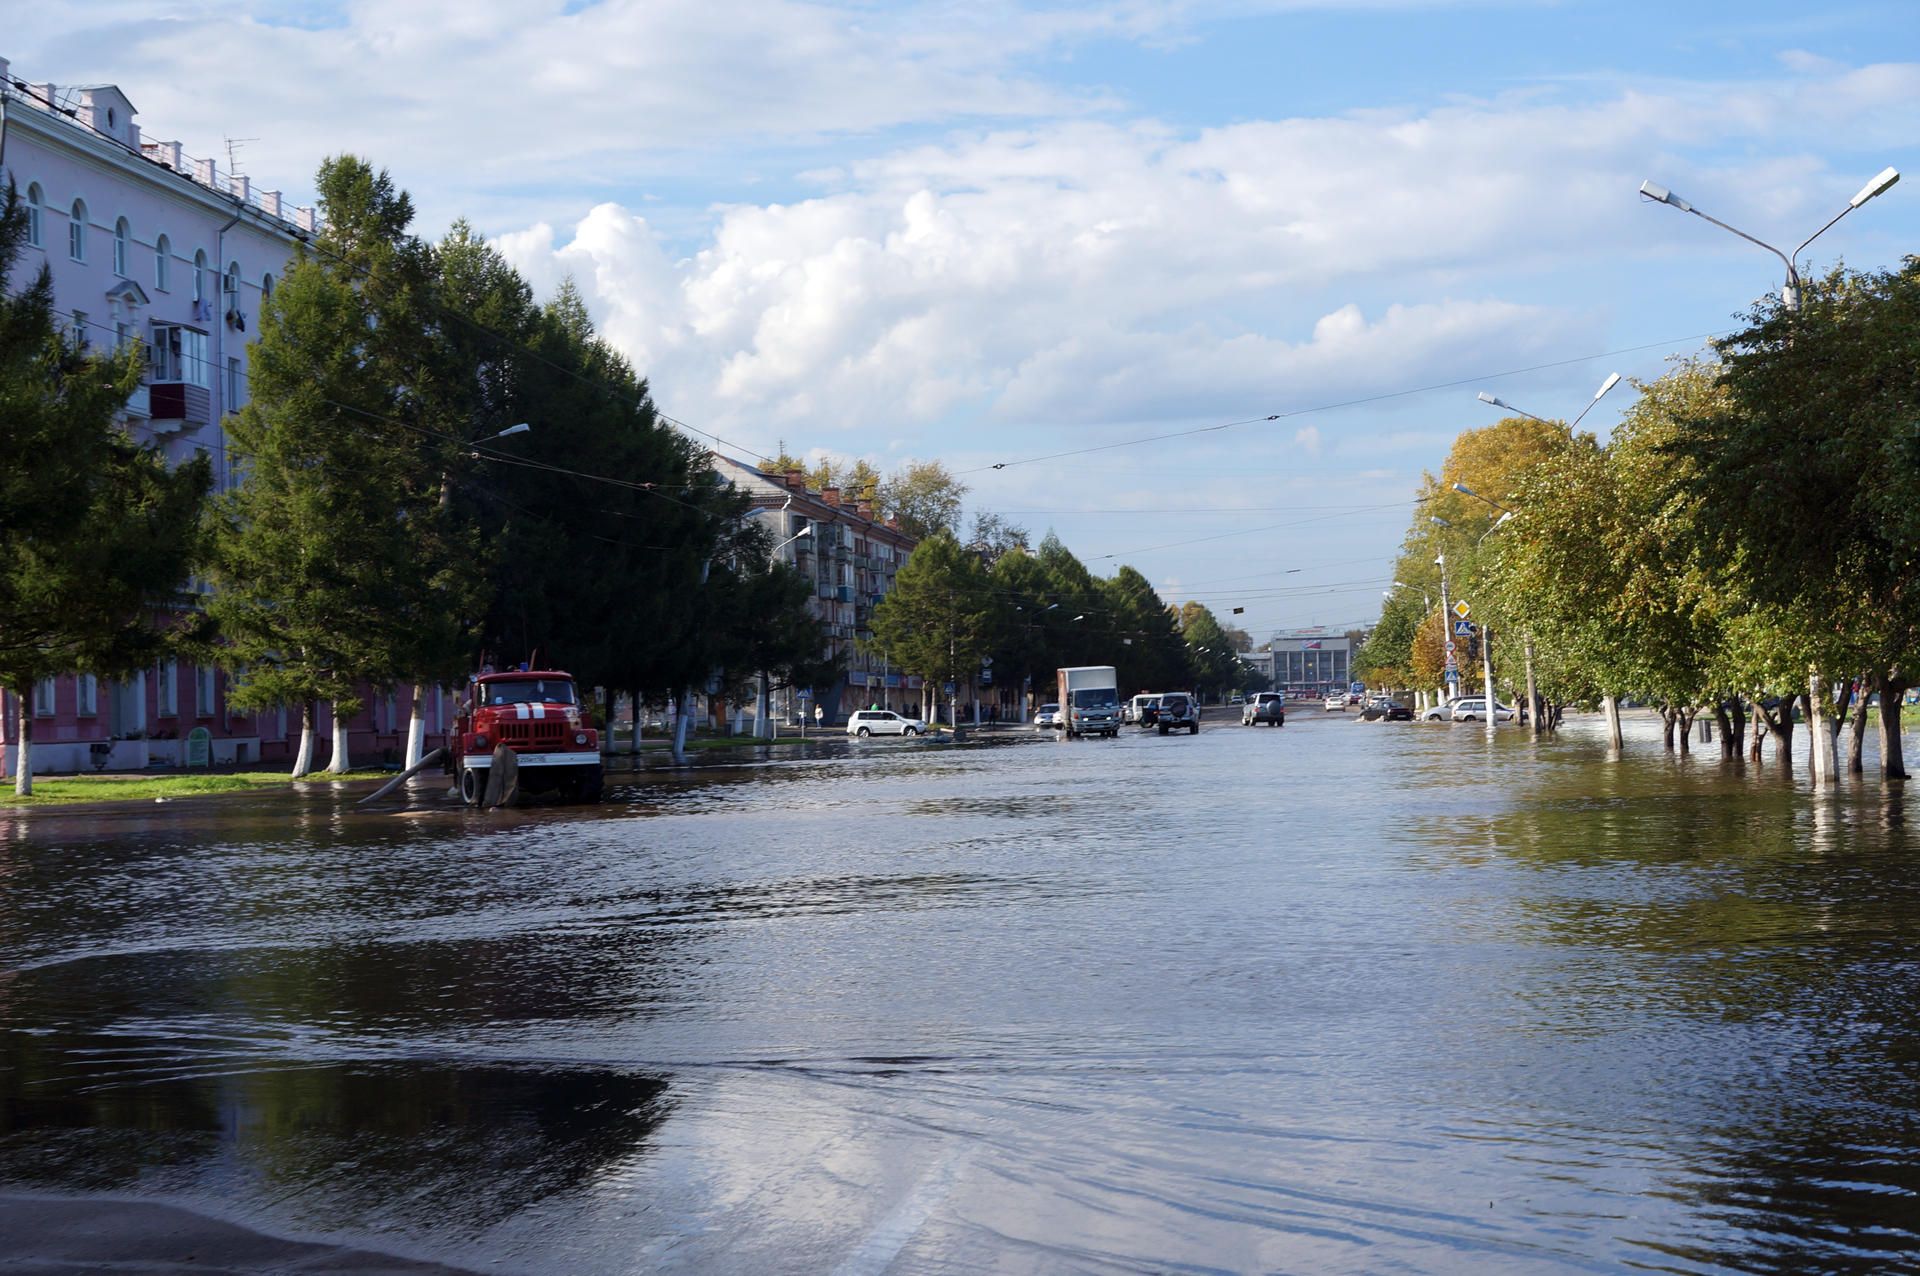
x=1684, y=727
x=1857, y=729
x=1729, y=745
x=1762, y=724
x=680, y=723
x=23, y=763
x=339, y=763
x=1814, y=704
x=1738, y=715
x=417, y=725
x=1893, y=763
x=1533, y=694
x=763, y=715
x=1668, y=715
x=303, y=760
x=1610, y=705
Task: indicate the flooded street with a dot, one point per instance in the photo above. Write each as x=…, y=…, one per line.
x=1334, y=998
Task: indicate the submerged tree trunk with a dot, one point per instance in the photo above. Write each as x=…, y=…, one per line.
x=339, y=764
x=1668, y=716
x=1821, y=758
x=1533, y=695
x=1857, y=729
x=1893, y=763
x=1685, y=727
x=417, y=725
x=1737, y=715
x=303, y=760
x=1610, y=705
x=23, y=762
x=681, y=721
x=1762, y=723
x=1729, y=746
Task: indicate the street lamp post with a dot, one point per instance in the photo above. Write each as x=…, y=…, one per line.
x=1790, y=291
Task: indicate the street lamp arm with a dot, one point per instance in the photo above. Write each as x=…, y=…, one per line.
x=1662, y=195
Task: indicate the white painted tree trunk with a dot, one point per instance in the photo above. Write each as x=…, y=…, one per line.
x=338, y=763
x=1822, y=762
x=417, y=726
x=1611, y=706
x=303, y=760
x=23, y=770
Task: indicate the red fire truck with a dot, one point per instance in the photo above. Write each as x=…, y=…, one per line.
x=538, y=715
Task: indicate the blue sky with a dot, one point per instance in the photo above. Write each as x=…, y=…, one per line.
x=986, y=232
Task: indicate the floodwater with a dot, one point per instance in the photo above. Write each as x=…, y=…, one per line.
x=1333, y=998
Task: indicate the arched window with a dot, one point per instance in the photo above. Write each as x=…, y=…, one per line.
x=121, y=234
x=36, y=234
x=233, y=279
x=266, y=286
x=77, y=231
x=199, y=276
x=162, y=262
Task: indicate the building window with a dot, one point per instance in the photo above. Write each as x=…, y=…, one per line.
x=266, y=287
x=179, y=354
x=199, y=276
x=36, y=231
x=162, y=262
x=236, y=385
x=203, y=691
x=233, y=282
x=81, y=336
x=43, y=698
x=170, y=689
x=77, y=231
x=121, y=234
x=86, y=695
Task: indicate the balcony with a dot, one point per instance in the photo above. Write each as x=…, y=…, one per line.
x=179, y=403
x=843, y=593
x=841, y=554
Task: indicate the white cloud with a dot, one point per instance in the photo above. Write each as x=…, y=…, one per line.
x=1307, y=439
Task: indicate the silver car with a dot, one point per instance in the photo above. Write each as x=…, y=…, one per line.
x=1467, y=709
x=866, y=722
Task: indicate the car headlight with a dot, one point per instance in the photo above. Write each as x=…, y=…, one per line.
x=579, y=737
x=480, y=741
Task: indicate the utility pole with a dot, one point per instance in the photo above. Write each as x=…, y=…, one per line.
x=1446, y=627
x=1486, y=678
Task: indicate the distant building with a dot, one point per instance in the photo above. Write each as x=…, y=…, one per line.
x=850, y=552
x=1311, y=660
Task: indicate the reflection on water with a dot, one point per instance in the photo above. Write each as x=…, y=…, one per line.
x=1344, y=998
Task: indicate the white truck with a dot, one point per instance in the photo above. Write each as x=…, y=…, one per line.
x=1090, y=701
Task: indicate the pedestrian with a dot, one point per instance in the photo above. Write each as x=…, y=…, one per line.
x=819, y=715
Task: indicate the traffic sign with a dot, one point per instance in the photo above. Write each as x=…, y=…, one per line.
x=1452, y=675
x=1463, y=629
x=1461, y=609
x=1450, y=646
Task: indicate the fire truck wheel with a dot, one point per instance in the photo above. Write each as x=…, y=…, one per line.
x=473, y=785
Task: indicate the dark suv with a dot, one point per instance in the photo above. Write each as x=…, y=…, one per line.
x=1178, y=710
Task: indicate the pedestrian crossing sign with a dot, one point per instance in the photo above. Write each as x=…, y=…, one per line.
x=1463, y=629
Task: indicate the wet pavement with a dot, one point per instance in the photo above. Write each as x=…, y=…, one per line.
x=1335, y=998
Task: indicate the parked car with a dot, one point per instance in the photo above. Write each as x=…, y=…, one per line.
x=1337, y=702
x=1177, y=710
x=1391, y=710
x=867, y=722
x=1140, y=709
x=1048, y=716
x=1468, y=709
x=1264, y=706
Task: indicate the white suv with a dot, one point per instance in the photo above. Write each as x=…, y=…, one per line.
x=1264, y=706
x=883, y=722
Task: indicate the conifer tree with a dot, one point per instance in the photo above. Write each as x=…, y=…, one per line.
x=339, y=561
x=97, y=535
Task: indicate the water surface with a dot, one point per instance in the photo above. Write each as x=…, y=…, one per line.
x=1333, y=998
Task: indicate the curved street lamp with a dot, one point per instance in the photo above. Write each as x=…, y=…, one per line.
x=1790, y=293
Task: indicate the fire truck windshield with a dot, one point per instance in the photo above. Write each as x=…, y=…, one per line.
x=535, y=690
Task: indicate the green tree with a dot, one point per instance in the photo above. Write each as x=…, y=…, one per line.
x=1805, y=475
x=927, y=498
x=942, y=616
x=1143, y=633
x=97, y=535
x=338, y=559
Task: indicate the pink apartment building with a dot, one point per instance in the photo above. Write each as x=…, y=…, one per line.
x=150, y=245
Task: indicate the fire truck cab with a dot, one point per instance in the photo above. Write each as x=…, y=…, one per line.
x=538, y=715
